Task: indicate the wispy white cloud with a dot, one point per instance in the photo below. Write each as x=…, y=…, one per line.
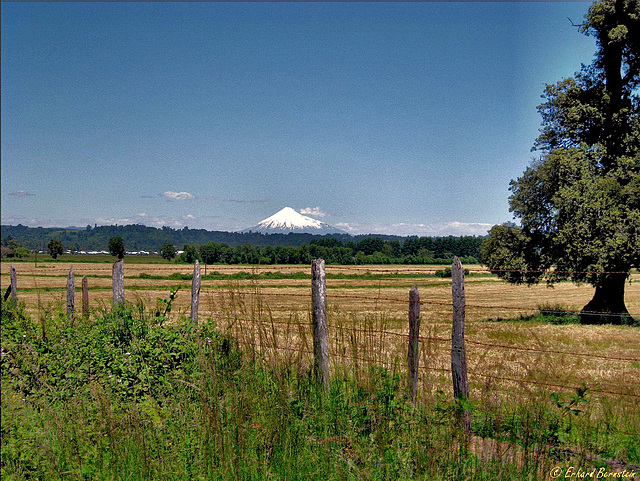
x=162, y=221
x=314, y=211
x=113, y=220
x=13, y=219
x=139, y=218
x=21, y=193
x=454, y=228
x=145, y=219
x=178, y=195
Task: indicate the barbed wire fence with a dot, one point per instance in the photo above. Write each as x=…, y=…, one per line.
x=321, y=361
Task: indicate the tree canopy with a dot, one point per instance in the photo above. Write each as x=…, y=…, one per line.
x=55, y=248
x=116, y=247
x=579, y=203
x=168, y=251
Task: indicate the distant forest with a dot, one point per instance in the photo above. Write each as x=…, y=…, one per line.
x=250, y=248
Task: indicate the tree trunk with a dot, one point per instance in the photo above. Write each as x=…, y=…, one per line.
x=611, y=57
x=607, y=305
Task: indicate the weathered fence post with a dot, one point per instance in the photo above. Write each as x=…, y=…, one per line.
x=85, y=297
x=118, y=283
x=458, y=356
x=14, y=282
x=413, y=356
x=71, y=294
x=320, y=335
x=195, y=292
x=11, y=289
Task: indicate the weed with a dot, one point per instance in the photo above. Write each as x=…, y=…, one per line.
x=447, y=272
x=164, y=306
x=125, y=394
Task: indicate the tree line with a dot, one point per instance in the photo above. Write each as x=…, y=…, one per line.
x=187, y=245
x=346, y=250
x=369, y=250
x=144, y=238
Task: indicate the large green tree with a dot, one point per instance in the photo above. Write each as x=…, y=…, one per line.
x=209, y=252
x=168, y=251
x=579, y=203
x=190, y=254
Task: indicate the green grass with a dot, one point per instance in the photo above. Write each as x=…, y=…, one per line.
x=124, y=395
x=559, y=315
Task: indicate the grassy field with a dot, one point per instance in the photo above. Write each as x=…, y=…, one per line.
x=544, y=391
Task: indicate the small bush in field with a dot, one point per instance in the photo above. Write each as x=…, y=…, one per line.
x=557, y=314
x=447, y=272
x=127, y=349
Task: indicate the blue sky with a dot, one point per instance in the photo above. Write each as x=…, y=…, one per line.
x=398, y=118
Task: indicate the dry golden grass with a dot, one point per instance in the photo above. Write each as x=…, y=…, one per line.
x=368, y=323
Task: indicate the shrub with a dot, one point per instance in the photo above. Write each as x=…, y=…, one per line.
x=557, y=314
x=447, y=272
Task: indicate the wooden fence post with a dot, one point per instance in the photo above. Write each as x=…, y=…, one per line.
x=71, y=293
x=118, y=283
x=458, y=356
x=195, y=292
x=414, y=346
x=14, y=283
x=85, y=297
x=320, y=335
x=11, y=290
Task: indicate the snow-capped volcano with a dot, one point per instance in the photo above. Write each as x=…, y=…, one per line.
x=288, y=220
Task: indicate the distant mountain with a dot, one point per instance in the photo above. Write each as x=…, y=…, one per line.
x=288, y=221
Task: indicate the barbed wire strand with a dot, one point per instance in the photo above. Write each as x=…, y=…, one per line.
x=502, y=378
x=376, y=332
x=378, y=298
